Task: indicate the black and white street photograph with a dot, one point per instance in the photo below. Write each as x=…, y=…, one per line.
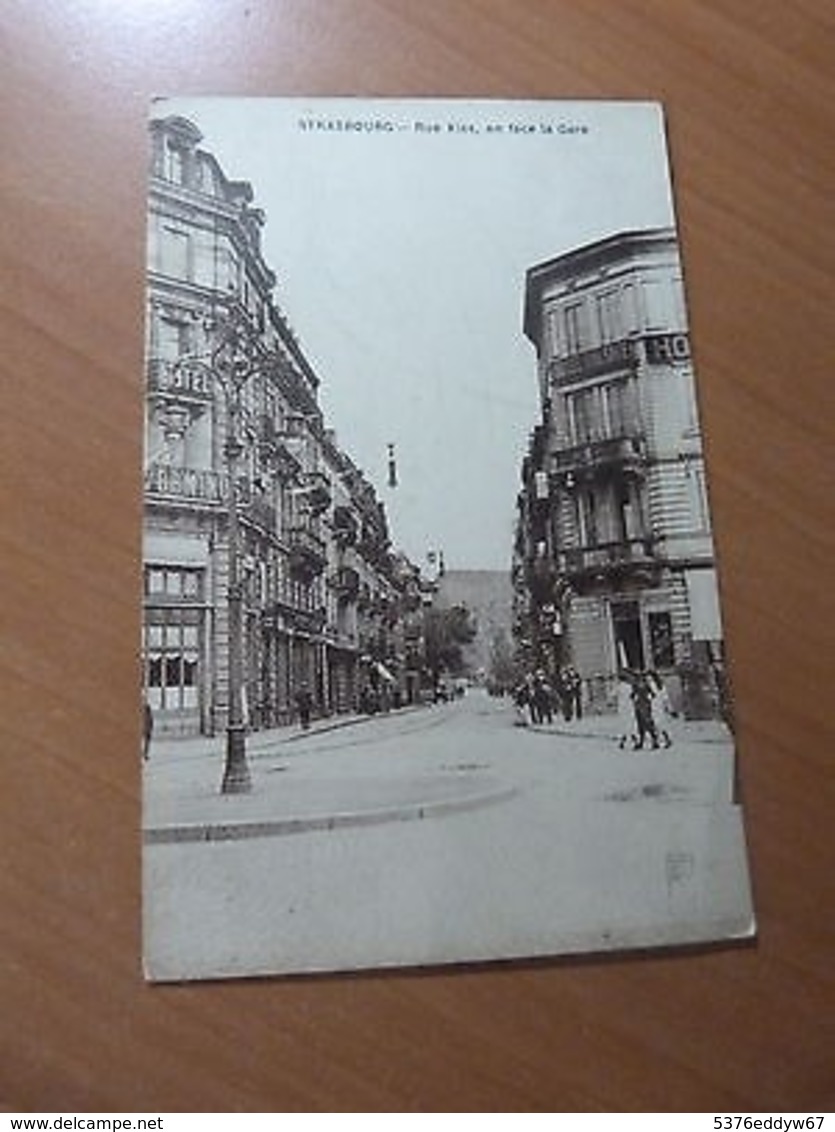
x=433, y=666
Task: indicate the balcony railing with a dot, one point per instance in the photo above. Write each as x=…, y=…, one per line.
x=307, y=552
x=261, y=513
x=373, y=545
x=317, y=492
x=193, y=485
x=668, y=348
x=282, y=615
x=609, y=556
x=627, y=453
x=346, y=583
x=589, y=363
x=274, y=449
x=345, y=526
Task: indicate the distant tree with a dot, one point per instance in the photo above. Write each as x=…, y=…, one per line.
x=502, y=666
x=445, y=632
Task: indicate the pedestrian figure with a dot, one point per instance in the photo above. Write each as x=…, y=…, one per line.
x=147, y=728
x=574, y=693
x=520, y=702
x=542, y=698
x=533, y=701
x=661, y=703
x=642, y=706
x=626, y=712
x=563, y=697
x=304, y=703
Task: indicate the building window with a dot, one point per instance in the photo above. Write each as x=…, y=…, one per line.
x=585, y=414
x=601, y=412
x=172, y=651
x=575, y=337
x=175, y=164
x=175, y=258
x=554, y=342
x=228, y=268
x=609, y=322
x=621, y=408
x=630, y=317
x=626, y=517
x=588, y=516
x=660, y=304
x=173, y=339
x=174, y=582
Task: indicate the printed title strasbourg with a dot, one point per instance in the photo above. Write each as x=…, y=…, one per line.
x=419, y=126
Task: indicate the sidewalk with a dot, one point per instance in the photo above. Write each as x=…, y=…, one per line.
x=182, y=799
x=257, y=742
x=610, y=727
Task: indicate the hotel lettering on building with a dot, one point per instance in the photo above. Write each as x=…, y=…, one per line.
x=328, y=605
x=614, y=560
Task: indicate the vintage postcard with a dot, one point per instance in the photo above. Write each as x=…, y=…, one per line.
x=433, y=663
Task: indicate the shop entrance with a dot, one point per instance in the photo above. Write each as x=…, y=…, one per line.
x=626, y=626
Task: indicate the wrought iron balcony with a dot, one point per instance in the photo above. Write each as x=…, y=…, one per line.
x=317, y=492
x=608, y=358
x=346, y=583
x=345, y=526
x=608, y=558
x=274, y=449
x=279, y=616
x=307, y=620
x=623, y=453
x=261, y=513
x=373, y=545
x=307, y=553
x=667, y=348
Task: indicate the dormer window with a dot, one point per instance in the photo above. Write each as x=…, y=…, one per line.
x=174, y=168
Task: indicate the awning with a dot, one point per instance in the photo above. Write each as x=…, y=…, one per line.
x=161, y=548
x=703, y=595
x=384, y=672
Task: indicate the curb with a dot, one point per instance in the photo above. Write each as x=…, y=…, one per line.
x=278, y=827
x=264, y=742
x=338, y=724
x=601, y=735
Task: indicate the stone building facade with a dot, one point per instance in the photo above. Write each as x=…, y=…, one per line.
x=324, y=597
x=614, y=560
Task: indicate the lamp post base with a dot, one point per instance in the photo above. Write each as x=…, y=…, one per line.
x=236, y=779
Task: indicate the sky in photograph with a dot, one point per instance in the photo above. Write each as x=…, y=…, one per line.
x=401, y=252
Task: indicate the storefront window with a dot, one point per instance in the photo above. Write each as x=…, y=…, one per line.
x=172, y=661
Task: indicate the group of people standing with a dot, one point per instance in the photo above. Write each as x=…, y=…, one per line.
x=644, y=707
x=542, y=699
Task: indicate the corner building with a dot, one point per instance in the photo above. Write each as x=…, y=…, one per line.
x=311, y=537
x=614, y=558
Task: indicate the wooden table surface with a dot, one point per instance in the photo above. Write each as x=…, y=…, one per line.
x=749, y=96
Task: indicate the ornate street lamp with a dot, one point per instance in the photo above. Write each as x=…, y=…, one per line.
x=235, y=357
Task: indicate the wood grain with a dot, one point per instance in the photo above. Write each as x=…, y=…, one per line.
x=749, y=95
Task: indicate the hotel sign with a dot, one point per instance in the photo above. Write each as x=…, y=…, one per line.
x=667, y=349
x=187, y=377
